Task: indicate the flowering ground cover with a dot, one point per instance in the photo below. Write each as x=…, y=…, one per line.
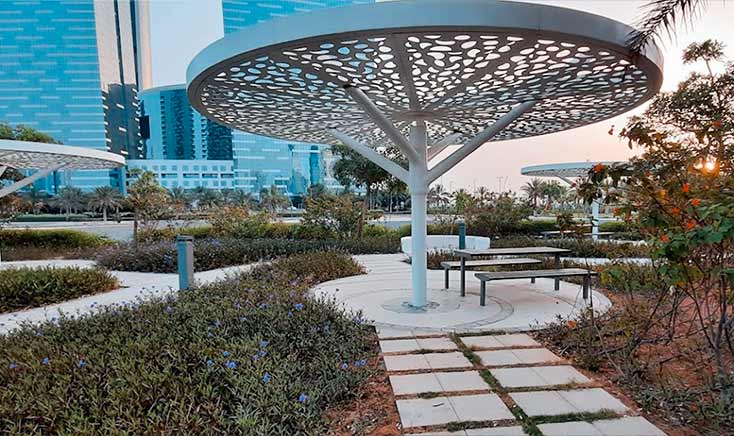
x=249, y=355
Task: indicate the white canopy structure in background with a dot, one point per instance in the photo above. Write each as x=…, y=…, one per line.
x=47, y=158
x=568, y=172
x=422, y=75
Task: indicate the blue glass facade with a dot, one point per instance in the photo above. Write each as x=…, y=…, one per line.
x=260, y=162
x=67, y=68
x=172, y=129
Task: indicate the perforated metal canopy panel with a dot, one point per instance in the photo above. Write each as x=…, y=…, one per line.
x=459, y=65
x=564, y=170
x=24, y=155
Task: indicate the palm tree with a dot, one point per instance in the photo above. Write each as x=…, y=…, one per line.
x=180, y=200
x=534, y=189
x=552, y=191
x=437, y=196
x=662, y=15
x=242, y=198
x=70, y=199
x=36, y=198
x=104, y=198
x=272, y=199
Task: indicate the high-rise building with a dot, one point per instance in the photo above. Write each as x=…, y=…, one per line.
x=68, y=68
x=260, y=162
x=172, y=129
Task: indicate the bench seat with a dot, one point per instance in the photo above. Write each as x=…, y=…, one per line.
x=449, y=265
x=485, y=277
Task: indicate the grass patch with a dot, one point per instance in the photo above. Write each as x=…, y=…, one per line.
x=583, y=416
x=22, y=288
x=249, y=355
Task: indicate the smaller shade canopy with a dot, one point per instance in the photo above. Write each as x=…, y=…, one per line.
x=566, y=170
x=25, y=155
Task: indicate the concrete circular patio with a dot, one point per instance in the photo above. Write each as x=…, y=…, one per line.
x=513, y=305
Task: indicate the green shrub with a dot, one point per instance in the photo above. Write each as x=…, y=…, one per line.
x=21, y=288
x=631, y=278
x=170, y=233
x=219, y=253
x=579, y=247
x=66, y=239
x=251, y=355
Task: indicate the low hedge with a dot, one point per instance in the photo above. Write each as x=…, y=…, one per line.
x=579, y=247
x=250, y=355
x=21, y=288
x=210, y=254
x=51, y=238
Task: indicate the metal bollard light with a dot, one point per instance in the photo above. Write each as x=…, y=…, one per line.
x=462, y=234
x=185, y=247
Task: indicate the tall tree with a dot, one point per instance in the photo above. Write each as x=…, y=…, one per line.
x=663, y=16
x=272, y=200
x=105, y=198
x=148, y=200
x=534, y=189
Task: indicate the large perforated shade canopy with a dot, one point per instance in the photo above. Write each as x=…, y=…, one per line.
x=422, y=75
x=24, y=155
x=459, y=64
x=566, y=170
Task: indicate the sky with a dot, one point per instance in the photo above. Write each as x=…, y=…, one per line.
x=181, y=28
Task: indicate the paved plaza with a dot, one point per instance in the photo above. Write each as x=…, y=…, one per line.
x=444, y=393
x=512, y=305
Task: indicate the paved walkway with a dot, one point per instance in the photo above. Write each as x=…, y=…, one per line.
x=512, y=305
x=511, y=386
x=136, y=286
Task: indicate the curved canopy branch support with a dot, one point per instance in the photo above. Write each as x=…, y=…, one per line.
x=473, y=144
x=375, y=157
x=441, y=145
x=28, y=180
x=382, y=122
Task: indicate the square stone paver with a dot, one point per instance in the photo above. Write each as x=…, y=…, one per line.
x=484, y=407
x=593, y=400
x=575, y=428
x=518, y=377
x=536, y=355
x=561, y=375
x=420, y=412
x=406, y=363
x=498, y=358
x=482, y=342
x=447, y=360
x=399, y=345
x=497, y=431
x=390, y=333
x=543, y=403
x=538, y=376
x=414, y=384
x=517, y=340
x=436, y=344
x=627, y=426
x=440, y=433
x=461, y=381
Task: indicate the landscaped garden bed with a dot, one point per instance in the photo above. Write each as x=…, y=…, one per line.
x=22, y=288
x=21, y=244
x=249, y=355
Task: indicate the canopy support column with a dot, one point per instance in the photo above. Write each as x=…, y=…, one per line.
x=418, y=215
x=595, y=220
x=28, y=180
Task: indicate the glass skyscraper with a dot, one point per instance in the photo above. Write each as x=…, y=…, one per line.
x=260, y=162
x=172, y=129
x=69, y=69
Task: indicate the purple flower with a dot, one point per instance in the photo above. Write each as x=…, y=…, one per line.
x=298, y=306
x=345, y=365
x=82, y=363
x=12, y=365
x=209, y=362
x=263, y=306
x=264, y=344
x=45, y=361
x=359, y=363
x=266, y=377
x=243, y=319
x=302, y=398
x=261, y=353
x=231, y=364
x=217, y=323
x=169, y=309
x=225, y=354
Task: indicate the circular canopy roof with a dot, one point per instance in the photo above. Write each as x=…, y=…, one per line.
x=24, y=155
x=459, y=65
x=564, y=170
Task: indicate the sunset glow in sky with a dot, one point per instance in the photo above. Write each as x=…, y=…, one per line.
x=181, y=28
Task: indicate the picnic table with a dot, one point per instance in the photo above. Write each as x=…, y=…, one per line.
x=468, y=254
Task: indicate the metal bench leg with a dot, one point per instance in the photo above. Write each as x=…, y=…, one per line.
x=482, y=293
x=558, y=266
x=587, y=282
x=463, y=277
x=532, y=280
x=446, y=278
